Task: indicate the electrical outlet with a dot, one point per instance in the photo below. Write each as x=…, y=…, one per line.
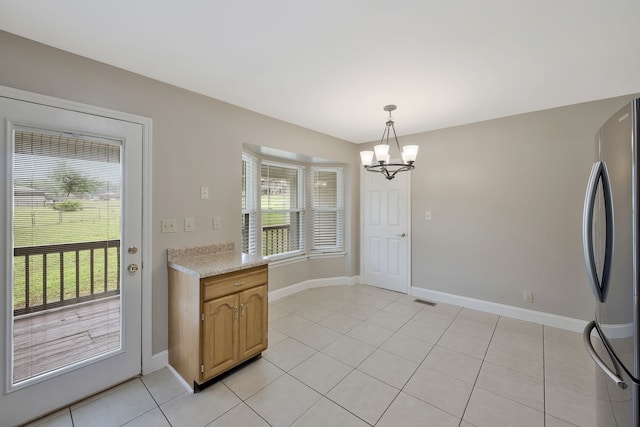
x=168, y=226
x=189, y=224
x=217, y=223
x=204, y=193
x=528, y=296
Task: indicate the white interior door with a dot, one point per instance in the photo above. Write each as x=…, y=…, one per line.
x=71, y=236
x=386, y=238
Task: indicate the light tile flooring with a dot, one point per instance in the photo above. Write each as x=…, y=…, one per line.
x=359, y=356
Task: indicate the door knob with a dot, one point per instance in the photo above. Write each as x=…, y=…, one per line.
x=133, y=268
x=401, y=235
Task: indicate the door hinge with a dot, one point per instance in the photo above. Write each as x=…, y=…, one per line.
x=202, y=316
x=201, y=368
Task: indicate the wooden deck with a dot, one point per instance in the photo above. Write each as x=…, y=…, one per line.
x=56, y=338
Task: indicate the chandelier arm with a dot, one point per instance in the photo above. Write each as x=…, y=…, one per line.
x=385, y=132
x=395, y=136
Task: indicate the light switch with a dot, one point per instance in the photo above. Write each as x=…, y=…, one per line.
x=204, y=193
x=427, y=215
x=168, y=226
x=189, y=224
x=217, y=223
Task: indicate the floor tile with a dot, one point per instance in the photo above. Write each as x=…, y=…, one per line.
x=387, y=294
x=408, y=347
x=363, y=395
x=349, y=350
x=455, y=364
x=253, y=377
x=434, y=318
x=374, y=302
x=575, y=377
x=517, y=340
x=472, y=346
x=516, y=359
x=321, y=372
x=370, y=333
x=290, y=324
x=577, y=408
x=316, y=336
x=440, y=390
x=487, y=409
x=115, y=408
x=315, y=313
x=340, y=322
x=407, y=411
x=403, y=309
x=199, y=409
x=283, y=401
x=163, y=385
x=288, y=353
x=333, y=303
x=477, y=316
x=241, y=415
x=474, y=329
x=291, y=304
x=326, y=413
x=387, y=320
x=513, y=385
x=274, y=336
x=421, y=331
x=276, y=313
x=153, y=418
x=520, y=326
x=569, y=353
x=388, y=368
x=358, y=311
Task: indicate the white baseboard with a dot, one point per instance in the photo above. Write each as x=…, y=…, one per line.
x=157, y=362
x=180, y=379
x=540, y=317
x=309, y=284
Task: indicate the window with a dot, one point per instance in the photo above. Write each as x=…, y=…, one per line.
x=282, y=201
x=249, y=203
x=327, y=209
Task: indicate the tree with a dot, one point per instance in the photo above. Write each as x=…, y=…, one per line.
x=72, y=181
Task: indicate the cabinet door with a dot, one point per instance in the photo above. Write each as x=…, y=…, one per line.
x=219, y=335
x=253, y=321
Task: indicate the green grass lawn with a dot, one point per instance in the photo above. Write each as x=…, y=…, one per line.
x=98, y=220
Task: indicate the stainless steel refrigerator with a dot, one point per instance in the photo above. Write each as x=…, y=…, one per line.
x=611, y=250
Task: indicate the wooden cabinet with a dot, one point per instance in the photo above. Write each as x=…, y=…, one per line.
x=230, y=326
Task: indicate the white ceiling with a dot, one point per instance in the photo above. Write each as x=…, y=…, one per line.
x=332, y=65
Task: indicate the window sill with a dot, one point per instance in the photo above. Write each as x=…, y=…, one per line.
x=314, y=255
x=277, y=262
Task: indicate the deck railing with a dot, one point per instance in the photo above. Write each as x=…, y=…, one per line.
x=275, y=239
x=56, y=275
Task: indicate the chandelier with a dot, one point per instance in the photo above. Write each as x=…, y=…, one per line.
x=381, y=151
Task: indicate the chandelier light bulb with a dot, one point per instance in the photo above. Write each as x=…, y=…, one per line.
x=410, y=153
x=382, y=152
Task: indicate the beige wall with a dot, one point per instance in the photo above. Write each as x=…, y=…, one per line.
x=506, y=198
x=506, y=195
x=197, y=141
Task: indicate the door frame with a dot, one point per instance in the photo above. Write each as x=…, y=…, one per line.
x=363, y=189
x=145, y=250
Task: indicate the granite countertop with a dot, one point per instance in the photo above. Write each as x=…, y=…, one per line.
x=211, y=260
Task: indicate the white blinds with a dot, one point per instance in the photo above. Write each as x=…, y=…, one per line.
x=249, y=203
x=282, y=200
x=327, y=209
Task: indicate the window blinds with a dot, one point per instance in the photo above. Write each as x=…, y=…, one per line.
x=249, y=203
x=327, y=209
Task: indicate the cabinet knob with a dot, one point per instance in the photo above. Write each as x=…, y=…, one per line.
x=238, y=284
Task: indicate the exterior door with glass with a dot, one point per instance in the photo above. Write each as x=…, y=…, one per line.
x=71, y=235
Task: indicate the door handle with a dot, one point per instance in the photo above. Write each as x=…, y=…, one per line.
x=615, y=376
x=401, y=235
x=133, y=268
x=599, y=286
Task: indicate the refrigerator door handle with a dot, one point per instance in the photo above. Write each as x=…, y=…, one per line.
x=615, y=376
x=598, y=173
